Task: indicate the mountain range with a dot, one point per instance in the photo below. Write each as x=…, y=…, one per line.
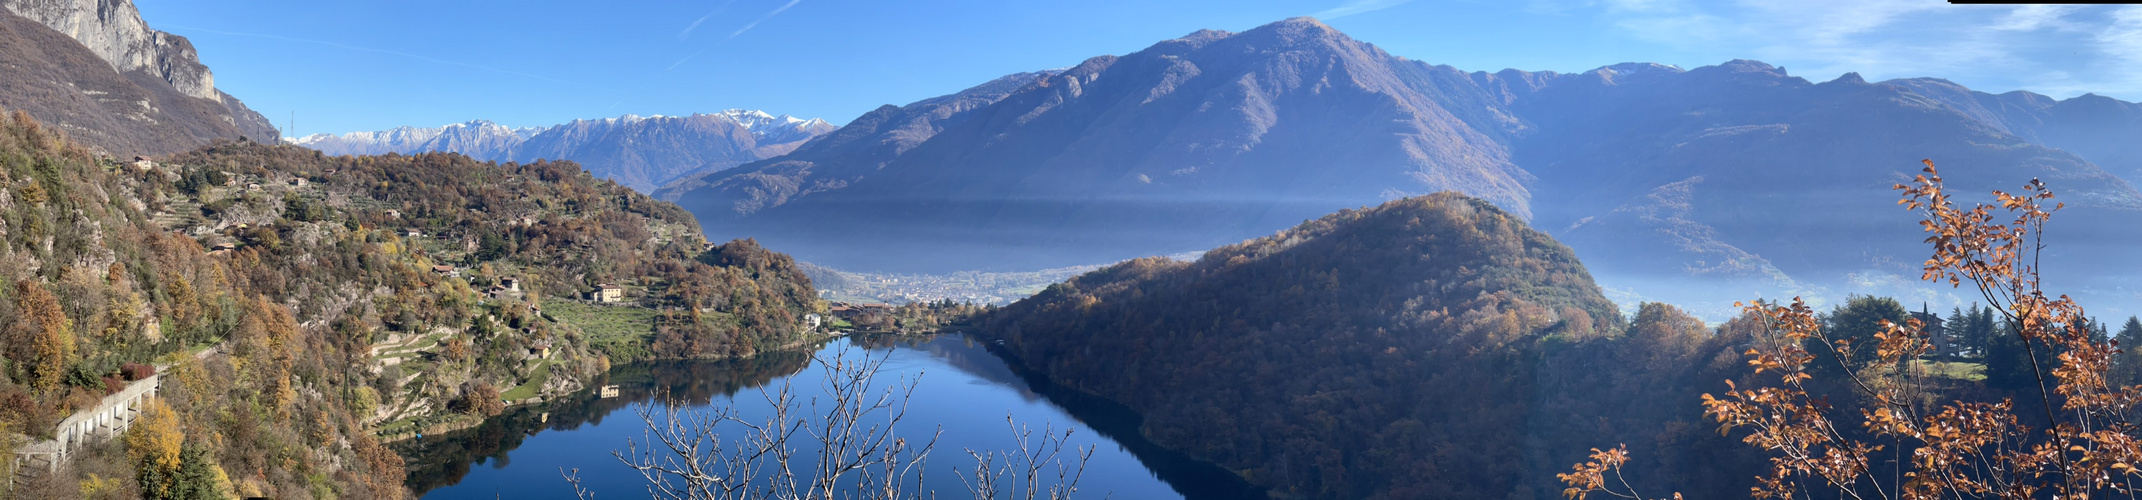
x=640, y=152
x=93, y=69
x=1735, y=178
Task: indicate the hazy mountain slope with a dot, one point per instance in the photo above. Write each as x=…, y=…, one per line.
x=95, y=70
x=1430, y=347
x=2098, y=128
x=1794, y=174
x=1190, y=143
x=1779, y=186
x=640, y=152
x=857, y=149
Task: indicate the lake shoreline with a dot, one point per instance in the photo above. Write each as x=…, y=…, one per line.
x=1125, y=426
x=445, y=459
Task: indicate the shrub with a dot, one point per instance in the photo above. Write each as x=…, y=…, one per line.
x=137, y=371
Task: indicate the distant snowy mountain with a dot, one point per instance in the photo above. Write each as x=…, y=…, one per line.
x=641, y=152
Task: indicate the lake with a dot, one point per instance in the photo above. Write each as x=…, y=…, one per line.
x=963, y=391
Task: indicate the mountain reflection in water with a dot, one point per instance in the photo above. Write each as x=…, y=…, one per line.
x=965, y=391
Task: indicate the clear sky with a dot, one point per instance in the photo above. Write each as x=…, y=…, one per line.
x=373, y=64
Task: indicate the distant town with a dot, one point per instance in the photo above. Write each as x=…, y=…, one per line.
x=980, y=288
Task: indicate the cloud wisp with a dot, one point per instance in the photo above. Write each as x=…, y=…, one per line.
x=1352, y=7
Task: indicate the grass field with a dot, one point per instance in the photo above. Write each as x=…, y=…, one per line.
x=535, y=383
x=620, y=331
x=1955, y=370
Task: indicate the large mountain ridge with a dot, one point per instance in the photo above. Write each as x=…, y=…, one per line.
x=94, y=69
x=1743, y=175
x=641, y=152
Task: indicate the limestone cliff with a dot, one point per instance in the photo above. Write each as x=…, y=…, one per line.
x=94, y=69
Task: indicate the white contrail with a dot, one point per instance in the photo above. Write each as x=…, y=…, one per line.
x=739, y=31
x=1352, y=7
x=761, y=19
x=687, y=33
x=381, y=51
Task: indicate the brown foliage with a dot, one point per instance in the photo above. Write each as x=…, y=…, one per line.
x=43, y=336
x=481, y=399
x=2084, y=443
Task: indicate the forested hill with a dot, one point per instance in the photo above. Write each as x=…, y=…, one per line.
x=305, y=305
x=1431, y=347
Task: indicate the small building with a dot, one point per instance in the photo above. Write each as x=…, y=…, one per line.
x=394, y=214
x=222, y=247
x=445, y=270
x=812, y=319
x=540, y=349
x=143, y=163
x=1937, y=332
x=297, y=181
x=607, y=293
x=413, y=233
x=510, y=283
x=609, y=391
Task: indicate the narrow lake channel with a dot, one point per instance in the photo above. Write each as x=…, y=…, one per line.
x=964, y=391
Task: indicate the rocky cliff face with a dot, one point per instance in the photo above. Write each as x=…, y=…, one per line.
x=96, y=70
x=114, y=31
x=640, y=152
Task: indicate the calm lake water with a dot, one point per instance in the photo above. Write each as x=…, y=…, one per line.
x=964, y=391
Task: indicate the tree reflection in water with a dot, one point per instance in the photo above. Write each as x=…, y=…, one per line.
x=972, y=411
x=441, y=460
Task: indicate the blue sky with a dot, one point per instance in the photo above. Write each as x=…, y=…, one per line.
x=365, y=65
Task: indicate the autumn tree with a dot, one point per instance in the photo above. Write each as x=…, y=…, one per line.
x=42, y=337
x=480, y=398
x=2069, y=434
x=154, y=444
x=456, y=350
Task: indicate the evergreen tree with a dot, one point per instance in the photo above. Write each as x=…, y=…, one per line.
x=2127, y=362
x=1973, y=329
x=1857, y=321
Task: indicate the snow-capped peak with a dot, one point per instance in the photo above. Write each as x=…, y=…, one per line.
x=756, y=120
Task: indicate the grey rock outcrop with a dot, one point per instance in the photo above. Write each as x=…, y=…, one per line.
x=114, y=31
x=94, y=69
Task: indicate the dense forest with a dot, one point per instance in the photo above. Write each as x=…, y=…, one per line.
x=1432, y=347
x=296, y=307
x=1435, y=347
